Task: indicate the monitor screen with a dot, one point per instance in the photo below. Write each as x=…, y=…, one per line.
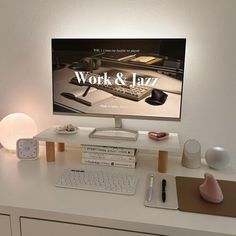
x=131, y=78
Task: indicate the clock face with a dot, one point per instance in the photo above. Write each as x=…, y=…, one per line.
x=27, y=148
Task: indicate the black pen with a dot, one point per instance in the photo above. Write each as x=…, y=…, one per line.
x=163, y=193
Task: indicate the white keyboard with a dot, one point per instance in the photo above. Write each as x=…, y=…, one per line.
x=101, y=181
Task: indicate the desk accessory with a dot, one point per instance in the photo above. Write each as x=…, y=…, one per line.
x=27, y=149
x=14, y=127
x=163, y=193
x=161, y=196
x=191, y=157
x=190, y=200
x=66, y=129
x=150, y=189
x=99, y=181
x=217, y=158
x=210, y=189
x=158, y=136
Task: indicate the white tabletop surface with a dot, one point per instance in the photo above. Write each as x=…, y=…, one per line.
x=29, y=187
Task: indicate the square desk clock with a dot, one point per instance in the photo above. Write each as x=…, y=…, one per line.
x=27, y=149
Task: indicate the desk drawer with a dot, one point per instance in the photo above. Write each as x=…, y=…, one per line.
x=5, y=226
x=35, y=227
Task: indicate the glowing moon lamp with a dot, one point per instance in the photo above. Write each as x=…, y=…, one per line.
x=14, y=127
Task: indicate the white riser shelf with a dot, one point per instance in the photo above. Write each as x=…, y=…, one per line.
x=82, y=137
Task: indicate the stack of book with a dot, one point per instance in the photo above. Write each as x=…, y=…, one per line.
x=109, y=156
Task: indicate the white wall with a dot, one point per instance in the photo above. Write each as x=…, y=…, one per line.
x=209, y=112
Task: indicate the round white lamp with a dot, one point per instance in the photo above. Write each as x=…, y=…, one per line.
x=217, y=158
x=14, y=127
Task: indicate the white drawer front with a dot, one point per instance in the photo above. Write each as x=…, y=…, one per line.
x=5, y=226
x=47, y=228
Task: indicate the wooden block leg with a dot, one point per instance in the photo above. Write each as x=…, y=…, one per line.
x=163, y=161
x=50, y=151
x=60, y=147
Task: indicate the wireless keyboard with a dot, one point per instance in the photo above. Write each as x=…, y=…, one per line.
x=127, y=91
x=101, y=181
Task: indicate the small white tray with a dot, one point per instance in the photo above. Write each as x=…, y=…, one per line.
x=171, y=193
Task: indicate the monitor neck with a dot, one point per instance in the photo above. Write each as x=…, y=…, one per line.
x=115, y=133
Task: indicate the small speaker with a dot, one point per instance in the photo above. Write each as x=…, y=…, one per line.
x=192, y=154
x=217, y=158
x=27, y=149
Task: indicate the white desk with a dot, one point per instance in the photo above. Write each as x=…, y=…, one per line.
x=28, y=196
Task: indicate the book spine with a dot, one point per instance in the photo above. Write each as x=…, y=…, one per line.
x=109, y=163
x=109, y=157
x=109, y=150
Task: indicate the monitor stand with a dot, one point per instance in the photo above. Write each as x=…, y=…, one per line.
x=115, y=133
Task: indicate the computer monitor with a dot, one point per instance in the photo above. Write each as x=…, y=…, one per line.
x=120, y=78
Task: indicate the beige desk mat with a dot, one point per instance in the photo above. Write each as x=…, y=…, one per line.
x=189, y=198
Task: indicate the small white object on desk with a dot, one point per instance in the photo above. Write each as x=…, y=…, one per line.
x=66, y=129
x=27, y=149
x=150, y=189
x=192, y=154
x=217, y=158
x=159, y=193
